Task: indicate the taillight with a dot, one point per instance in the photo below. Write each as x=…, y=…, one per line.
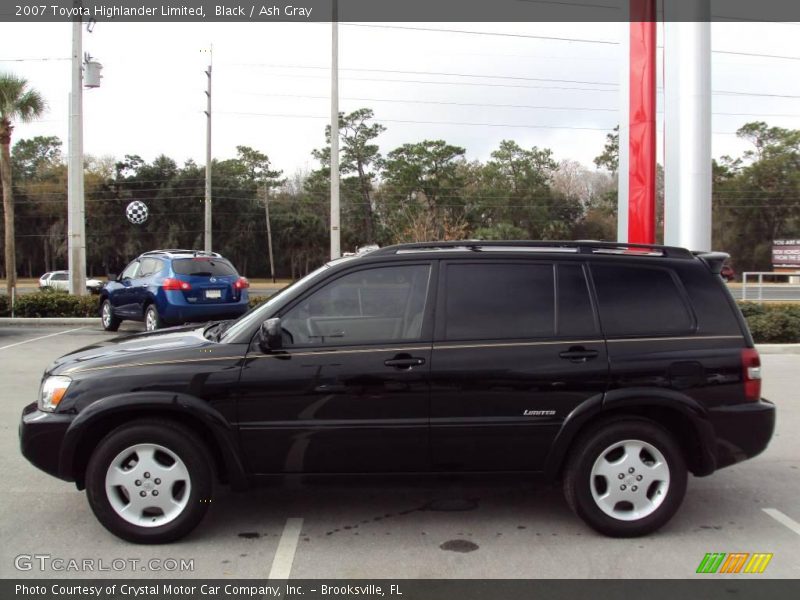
x=751, y=374
x=241, y=283
x=170, y=283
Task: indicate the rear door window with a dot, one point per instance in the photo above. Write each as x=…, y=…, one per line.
x=576, y=315
x=490, y=301
x=150, y=266
x=639, y=300
x=203, y=266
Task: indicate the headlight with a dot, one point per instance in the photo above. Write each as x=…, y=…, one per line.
x=53, y=390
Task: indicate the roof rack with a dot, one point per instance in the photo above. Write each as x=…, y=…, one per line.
x=183, y=251
x=584, y=247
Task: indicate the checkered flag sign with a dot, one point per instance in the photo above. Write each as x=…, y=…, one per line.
x=137, y=212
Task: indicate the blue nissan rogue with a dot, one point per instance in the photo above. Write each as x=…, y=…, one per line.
x=171, y=287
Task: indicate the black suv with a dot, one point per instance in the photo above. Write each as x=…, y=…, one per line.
x=616, y=368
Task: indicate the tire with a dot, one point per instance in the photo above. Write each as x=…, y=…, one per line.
x=152, y=320
x=107, y=318
x=161, y=462
x=625, y=479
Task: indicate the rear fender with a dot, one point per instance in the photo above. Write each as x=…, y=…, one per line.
x=639, y=402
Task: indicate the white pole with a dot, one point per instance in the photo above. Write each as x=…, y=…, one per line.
x=687, y=124
x=624, y=131
x=76, y=234
x=336, y=251
x=269, y=234
x=207, y=225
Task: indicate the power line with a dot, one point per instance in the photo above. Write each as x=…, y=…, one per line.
x=251, y=114
x=437, y=73
x=551, y=38
x=490, y=105
x=491, y=33
x=519, y=86
x=465, y=83
x=43, y=58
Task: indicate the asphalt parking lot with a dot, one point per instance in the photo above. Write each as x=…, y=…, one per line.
x=448, y=528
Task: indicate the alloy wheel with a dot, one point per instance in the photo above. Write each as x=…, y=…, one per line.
x=148, y=485
x=630, y=480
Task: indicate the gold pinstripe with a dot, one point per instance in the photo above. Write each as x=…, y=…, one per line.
x=685, y=337
x=150, y=364
x=395, y=349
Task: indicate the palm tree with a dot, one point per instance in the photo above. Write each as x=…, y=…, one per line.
x=18, y=102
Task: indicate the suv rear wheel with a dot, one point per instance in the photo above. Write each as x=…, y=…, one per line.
x=626, y=479
x=149, y=481
x=152, y=320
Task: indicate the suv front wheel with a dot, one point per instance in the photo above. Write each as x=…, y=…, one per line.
x=626, y=479
x=149, y=481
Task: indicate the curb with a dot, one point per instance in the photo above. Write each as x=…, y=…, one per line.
x=45, y=321
x=778, y=348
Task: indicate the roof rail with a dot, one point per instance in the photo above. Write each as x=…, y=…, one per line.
x=586, y=247
x=183, y=251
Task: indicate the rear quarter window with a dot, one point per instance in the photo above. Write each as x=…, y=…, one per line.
x=203, y=266
x=640, y=301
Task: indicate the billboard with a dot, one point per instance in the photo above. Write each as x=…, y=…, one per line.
x=786, y=253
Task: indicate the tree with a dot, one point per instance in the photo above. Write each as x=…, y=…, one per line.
x=33, y=157
x=425, y=177
x=18, y=102
x=519, y=193
x=359, y=156
x=609, y=159
x=755, y=197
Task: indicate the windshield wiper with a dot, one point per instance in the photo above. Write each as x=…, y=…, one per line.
x=207, y=331
x=220, y=327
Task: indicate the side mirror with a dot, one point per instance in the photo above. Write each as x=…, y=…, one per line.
x=270, y=337
x=112, y=276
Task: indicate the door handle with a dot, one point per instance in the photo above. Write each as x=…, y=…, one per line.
x=404, y=362
x=578, y=354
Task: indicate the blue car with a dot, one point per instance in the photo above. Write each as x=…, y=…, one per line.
x=171, y=287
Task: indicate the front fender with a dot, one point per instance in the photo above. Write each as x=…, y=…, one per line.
x=155, y=404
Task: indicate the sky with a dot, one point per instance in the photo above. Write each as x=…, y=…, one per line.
x=271, y=85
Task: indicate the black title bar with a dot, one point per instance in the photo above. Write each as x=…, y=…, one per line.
x=392, y=10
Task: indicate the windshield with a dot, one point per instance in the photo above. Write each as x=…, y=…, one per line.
x=259, y=313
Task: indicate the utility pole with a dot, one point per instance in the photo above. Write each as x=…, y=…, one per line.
x=336, y=251
x=687, y=126
x=76, y=224
x=269, y=234
x=207, y=228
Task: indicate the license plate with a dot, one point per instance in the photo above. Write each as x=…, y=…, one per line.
x=213, y=293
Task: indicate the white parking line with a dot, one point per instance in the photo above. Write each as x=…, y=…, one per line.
x=287, y=546
x=783, y=519
x=42, y=337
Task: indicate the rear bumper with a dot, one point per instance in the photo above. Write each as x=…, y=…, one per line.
x=742, y=431
x=176, y=310
x=41, y=435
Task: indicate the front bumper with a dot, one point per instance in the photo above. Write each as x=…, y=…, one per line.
x=742, y=430
x=40, y=438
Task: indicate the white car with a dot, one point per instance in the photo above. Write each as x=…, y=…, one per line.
x=59, y=280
